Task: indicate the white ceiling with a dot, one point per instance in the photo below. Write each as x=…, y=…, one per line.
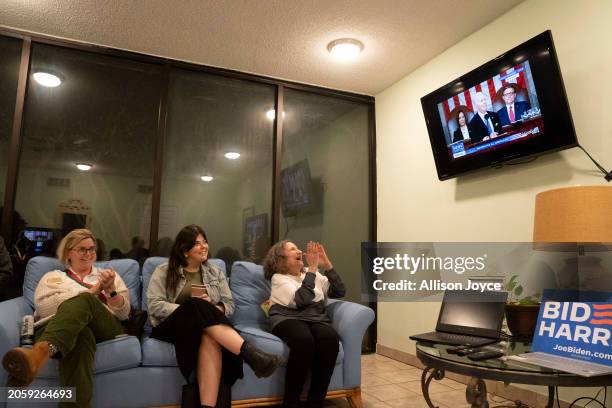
x=284, y=39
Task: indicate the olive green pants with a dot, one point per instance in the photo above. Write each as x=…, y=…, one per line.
x=80, y=323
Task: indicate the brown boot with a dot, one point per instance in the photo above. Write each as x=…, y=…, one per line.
x=22, y=364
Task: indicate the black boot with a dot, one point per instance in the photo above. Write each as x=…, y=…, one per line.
x=224, y=397
x=262, y=363
x=191, y=396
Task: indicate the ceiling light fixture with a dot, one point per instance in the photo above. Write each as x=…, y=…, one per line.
x=47, y=79
x=84, y=166
x=345, y=49
x=232, y=155
x=271, y=114
x=207, y=179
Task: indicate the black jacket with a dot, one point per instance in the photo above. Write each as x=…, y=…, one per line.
x=478, y=129
x=6, y=267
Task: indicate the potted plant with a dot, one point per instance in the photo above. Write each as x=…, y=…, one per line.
x=521, y=312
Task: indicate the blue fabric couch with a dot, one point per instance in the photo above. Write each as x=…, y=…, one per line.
x=133, y=373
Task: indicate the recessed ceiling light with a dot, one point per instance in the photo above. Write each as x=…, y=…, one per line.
x=271, y=114
x=232, y=155
x=207, y=178
x=84, y=166
x=47, y=79
x=345, y=49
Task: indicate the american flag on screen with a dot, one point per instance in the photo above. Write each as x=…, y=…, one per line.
x=519, y=74
x=514, y=75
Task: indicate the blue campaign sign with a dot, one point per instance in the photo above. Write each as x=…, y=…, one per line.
x=579, y=330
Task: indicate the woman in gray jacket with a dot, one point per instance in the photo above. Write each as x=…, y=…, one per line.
x=196, y=320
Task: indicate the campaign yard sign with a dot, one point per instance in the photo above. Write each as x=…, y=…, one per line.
x=579, y=330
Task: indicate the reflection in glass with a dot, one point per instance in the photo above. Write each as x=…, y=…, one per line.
x=104, y=114
x=208, y=118
x=325, y=179
x=10, y=52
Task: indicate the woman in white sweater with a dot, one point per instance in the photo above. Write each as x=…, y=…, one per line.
x=75, y=308
x=298, y=316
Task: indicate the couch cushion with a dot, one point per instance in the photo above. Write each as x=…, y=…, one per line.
x=270, y=343
x=249, y=289
x=157, y=353
x=117, y=354
x=128, y=269
x=149, y=267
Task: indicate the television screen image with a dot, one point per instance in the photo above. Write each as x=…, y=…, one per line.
x=42, y=239
x=296, y=188
x=255, y=239
x=512, y=107
x=503, y=109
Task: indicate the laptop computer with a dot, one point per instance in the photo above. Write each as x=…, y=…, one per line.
x=574, y=337
x=470, y=318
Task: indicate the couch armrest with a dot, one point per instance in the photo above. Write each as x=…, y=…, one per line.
x=11, y=312
x=350, y=320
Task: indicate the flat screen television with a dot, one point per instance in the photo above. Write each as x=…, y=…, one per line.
x=512, y=107
x=296, y=188
x=42, y=239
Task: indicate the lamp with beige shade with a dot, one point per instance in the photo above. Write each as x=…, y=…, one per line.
x=579, y=220
x=574, y=220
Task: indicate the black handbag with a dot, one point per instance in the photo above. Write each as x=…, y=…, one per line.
x=134, y=325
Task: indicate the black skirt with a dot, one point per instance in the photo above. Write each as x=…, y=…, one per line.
x=184, y=328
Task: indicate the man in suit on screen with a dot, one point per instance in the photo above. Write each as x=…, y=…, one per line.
x=512, y=110
x=485, y=124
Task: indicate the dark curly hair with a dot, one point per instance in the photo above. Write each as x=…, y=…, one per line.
x=274, y=262
x=185, y=240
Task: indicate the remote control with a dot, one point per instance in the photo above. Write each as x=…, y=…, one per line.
x=465, y=352
x=485, y=355
x=455, y=350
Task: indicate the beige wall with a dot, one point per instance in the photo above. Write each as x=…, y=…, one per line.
x=490, y=205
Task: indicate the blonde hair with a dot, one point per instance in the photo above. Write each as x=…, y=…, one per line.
x=71, y=240
x=274, y=262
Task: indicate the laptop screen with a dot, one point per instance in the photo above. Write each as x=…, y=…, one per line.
x=472, y=312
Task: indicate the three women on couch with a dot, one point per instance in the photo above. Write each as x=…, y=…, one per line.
x=298, y=316
x=83, y=305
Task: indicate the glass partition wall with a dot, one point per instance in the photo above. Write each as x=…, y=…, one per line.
x=10, y=53
x=88, y=148
x=135, y=147
x=325, y=179
x=218, y=164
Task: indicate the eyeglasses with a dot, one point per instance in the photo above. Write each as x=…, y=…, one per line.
x=509, y=93
x=85, y=251
x=201, y=244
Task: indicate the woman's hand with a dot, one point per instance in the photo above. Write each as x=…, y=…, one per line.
x=96, y=289
x=312, y=256
x=323, y=259
x=107, y=280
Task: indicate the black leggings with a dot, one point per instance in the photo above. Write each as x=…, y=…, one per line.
x=313, y=348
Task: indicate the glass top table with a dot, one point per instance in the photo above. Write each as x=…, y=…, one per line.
x=437, y=360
